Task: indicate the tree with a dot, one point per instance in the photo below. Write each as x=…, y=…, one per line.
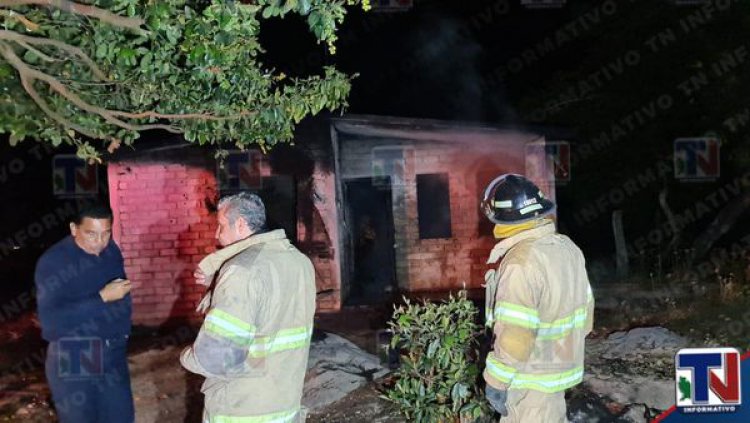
x=96, y=74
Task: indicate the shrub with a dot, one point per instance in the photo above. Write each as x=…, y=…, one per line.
x=437, y=379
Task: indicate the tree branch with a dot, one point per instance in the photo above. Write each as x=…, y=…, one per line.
x=14, y=36
x=30, y=26
x=196, y=116
x=29, y=87
x=29, y=74
x=80, y=9
x=35, y=51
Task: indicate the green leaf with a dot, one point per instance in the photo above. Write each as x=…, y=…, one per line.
x=146, y=60
x=434, y=345
x=101, y=51
x=14, y=139
x=304, y=7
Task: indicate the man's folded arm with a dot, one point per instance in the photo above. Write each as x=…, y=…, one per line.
x=224, y=341
x=52, y=292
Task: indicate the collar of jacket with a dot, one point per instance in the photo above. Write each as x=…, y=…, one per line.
x=213, y=262
x=502, y=247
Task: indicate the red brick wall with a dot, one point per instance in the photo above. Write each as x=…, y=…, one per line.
x=439, y=264
x=436, y=264
x=163, y=227
x=318, y=235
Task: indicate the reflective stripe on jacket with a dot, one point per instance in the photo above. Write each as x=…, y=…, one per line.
x=540, y=307
x=254, y=342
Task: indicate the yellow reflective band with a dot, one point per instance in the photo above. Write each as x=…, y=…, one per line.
x=517, y=315
x=227, y=326
x=281, y=417
x=560, y=328
x=499, y=370
x=529, y=318
x=548, y=382
x=283, y=340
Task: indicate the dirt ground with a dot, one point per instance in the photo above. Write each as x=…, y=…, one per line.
x=162, y=391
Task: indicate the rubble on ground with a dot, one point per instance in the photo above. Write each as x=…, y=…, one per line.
x=634, y=367
x=337, y=367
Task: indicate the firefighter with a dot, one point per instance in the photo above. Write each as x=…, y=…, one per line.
x=539, y=305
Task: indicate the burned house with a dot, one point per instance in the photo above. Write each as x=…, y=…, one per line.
x=381, y=205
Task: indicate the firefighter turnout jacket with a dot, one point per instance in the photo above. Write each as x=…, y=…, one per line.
x=540, y=306
x=254, y=342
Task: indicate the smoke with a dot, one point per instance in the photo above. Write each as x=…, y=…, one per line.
x=442, y=71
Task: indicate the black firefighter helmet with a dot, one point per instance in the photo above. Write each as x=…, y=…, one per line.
x=511, y=199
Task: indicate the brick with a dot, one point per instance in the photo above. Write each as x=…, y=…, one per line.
x=184, y=243
x=134, y=230
x=130, y=253
x=168, y=252
x=203, y=242
x=164, y=307
x=175, y=264
x=133, y=268
x=190, y=219
x=190, y=204
x=129, y=238
x=163, y=275
x=140, y=276
x=125, y=177
x=208, y=235
x=158, y=214
x=164, y=291
x=149, y=237
x=177, y=197
x=178, y=213
x=186, y=274
x=156, y=283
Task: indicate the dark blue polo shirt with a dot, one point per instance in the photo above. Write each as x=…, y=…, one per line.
x=68, y=281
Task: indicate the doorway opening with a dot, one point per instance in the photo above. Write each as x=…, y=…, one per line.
x=371, y=261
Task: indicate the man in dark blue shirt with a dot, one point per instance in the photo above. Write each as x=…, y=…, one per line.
x=85, y=309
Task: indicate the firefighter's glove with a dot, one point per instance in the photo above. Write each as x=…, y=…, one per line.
x=497, y=398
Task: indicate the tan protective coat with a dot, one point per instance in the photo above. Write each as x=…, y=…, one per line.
x=540, y=307
x=254, y=343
